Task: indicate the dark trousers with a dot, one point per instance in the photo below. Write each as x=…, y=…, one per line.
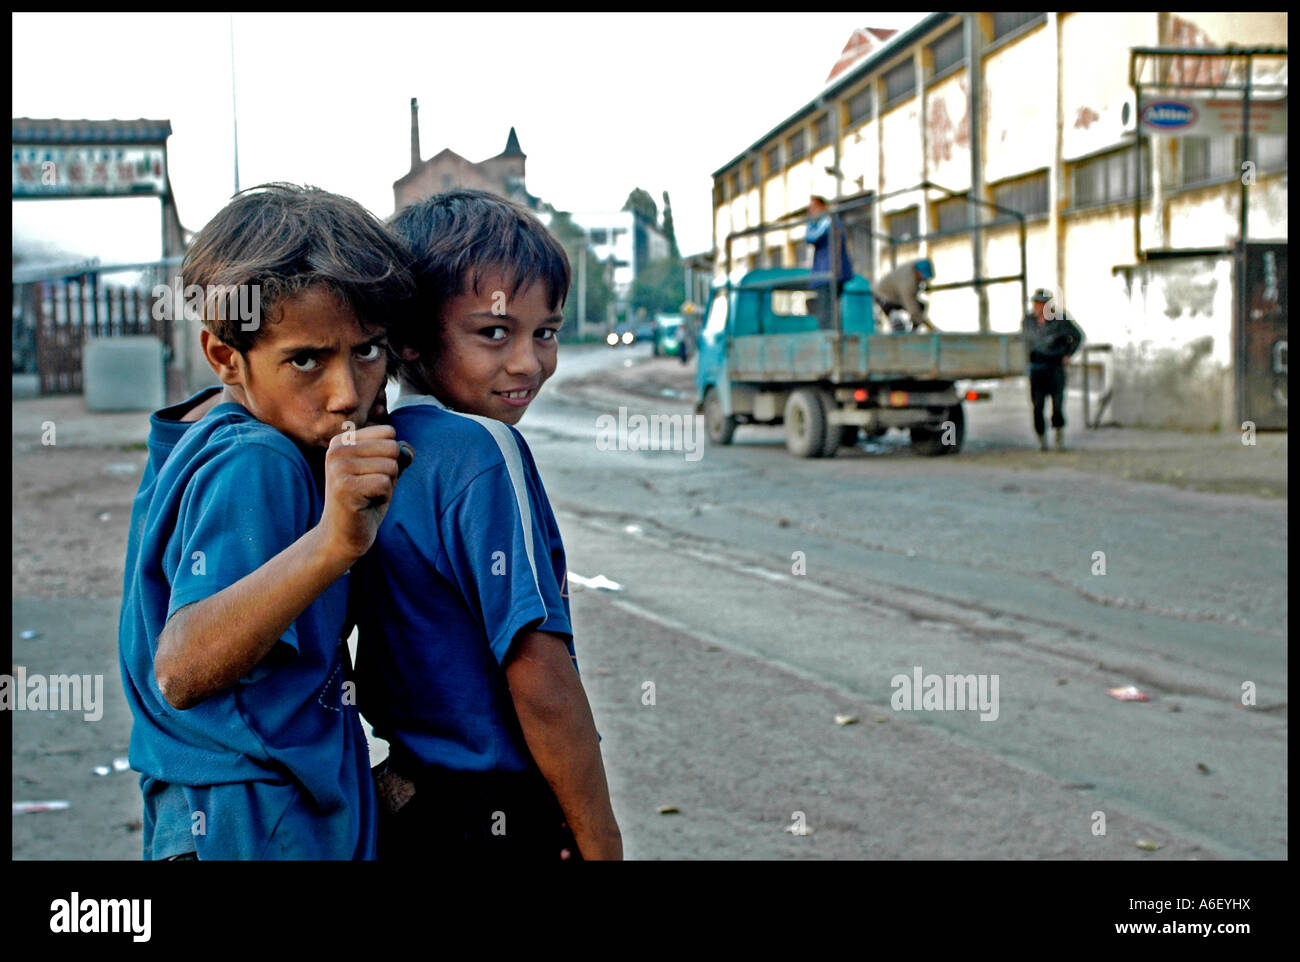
x=1047, y=381
x=492, y=816
x=821, y=307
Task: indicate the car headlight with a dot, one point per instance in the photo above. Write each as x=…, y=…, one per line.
x=627, y=337
x=611, y=339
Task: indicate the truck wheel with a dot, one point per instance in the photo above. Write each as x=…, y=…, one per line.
x=956, y=437
x=925, y=441
x=837, y=436
x=720, y=427
x=933, y=440
x=805, y=424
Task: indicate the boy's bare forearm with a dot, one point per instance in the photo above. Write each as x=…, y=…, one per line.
x=211, y=644
x=557, y=724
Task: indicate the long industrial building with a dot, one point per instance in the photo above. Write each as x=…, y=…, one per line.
x=1039, y=113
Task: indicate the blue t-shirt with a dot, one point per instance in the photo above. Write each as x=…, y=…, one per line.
x=165, y=430
x=277, y=765
x=469, y=555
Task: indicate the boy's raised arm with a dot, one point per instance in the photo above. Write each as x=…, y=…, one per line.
x=561, y=734
x=210, y=644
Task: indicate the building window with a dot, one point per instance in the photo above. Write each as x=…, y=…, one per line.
x=1207, y=159
x=798, y=145
x=447, y=182
x=822, y=130
x=1269, y=152
x=1109, y=178
x=735, y=184
x=598, y=237
x=1027, y=195
x=774, y=159
x=755, y=178
x=859, y=106
x=904, y=224
x=949, y=50
x=952, y=213
x=900, y=82
x=1008, y=23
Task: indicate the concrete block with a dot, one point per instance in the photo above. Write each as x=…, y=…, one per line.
x=123, y=373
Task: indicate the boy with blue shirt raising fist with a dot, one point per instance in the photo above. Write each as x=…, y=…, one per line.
x=234, y=615
x=465, y=656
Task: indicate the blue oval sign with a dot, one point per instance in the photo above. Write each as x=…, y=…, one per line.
x=1169, y=114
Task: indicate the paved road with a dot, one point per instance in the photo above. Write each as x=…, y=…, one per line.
x=835, y=577
x=763, y=596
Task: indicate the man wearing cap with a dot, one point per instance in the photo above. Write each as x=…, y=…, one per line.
x=897, y=290
x=1050, y=337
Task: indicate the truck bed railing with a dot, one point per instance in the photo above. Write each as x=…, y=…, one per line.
x=858, y=201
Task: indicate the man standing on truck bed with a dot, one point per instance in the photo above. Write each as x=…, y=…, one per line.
x=1051, y=336
x=819, y=235
x=897, y=291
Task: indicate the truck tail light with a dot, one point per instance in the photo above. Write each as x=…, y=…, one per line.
x=898, y=399
x=859, y=395
x=977, y=395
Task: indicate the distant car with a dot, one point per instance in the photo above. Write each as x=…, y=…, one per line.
x=622, y=334
x=668, y=334
x=644, y=331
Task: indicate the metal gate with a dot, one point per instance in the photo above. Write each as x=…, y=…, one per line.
x=68, y=310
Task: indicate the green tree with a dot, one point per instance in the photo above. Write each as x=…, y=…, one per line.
x=659, y=287
x=668, y=226
x=600, y=289
x=643, y=205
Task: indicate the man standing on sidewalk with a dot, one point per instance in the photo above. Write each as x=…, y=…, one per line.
x=1050, y=336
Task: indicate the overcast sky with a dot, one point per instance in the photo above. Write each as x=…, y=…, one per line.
x=602, y=102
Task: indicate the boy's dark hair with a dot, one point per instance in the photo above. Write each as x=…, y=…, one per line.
x=286, y=239
x=457, y=236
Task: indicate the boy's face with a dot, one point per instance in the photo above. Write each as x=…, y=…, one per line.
x=494, y=352
x=311, y=371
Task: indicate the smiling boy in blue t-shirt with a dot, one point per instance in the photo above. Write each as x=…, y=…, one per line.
x=234, y=612
x=465, y=657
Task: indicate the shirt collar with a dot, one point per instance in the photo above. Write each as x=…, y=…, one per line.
x=409, y=400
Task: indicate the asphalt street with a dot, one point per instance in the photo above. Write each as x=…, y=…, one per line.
x=745, y=675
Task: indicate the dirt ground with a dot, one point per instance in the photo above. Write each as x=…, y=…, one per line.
x=71, y=506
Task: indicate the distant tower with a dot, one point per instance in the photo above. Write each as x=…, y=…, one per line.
x=415, y=134
x=513, y=157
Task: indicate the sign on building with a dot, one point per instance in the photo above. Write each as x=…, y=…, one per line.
x=88, y=171
x=1211, y=116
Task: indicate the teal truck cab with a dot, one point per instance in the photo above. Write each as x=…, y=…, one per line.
x=769, y=353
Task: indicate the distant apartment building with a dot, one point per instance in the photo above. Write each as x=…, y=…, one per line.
x=1049, y=99
x=629, y=241
x=447, y=170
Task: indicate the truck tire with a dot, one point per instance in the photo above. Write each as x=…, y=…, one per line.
x=805, y=424
x=928, y=440
x=956, y=414
x=925, y=441
x=720, y=427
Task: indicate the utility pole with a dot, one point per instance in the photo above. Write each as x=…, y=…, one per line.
x=582, y=286
x=234, y=117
